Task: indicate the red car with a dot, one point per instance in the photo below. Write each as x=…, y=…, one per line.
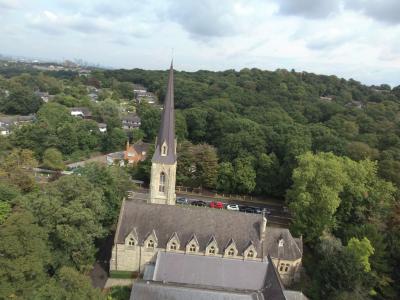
x=217, y=204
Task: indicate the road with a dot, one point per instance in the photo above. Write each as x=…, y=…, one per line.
x=277, y=214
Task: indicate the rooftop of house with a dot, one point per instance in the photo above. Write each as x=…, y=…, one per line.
x=140, y=147
x=131, y=117
x=204, y=224
x=84, y=110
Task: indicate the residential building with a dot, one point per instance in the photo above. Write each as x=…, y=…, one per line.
x=102, y=127
x=82, y=112
x=136, y=152
x=130, y=121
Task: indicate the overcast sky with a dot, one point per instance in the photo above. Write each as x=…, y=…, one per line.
x=357, y=39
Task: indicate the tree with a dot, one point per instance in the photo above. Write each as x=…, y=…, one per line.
x=21, y=101
x=225, y=181
x=53, y=160
x=114, y=182
x=115, y=139
x=54, y=115
x=268, y=177
x=5, y=210
x=150, y=121
x=314, y=195
x=24, y=256
x=244, y=175
x=68, y=284
x=362, y=250
x=359, y=151
x=72, y=211
x=17, y=169
x=206, y=165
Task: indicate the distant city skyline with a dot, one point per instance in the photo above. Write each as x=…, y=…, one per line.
x=357, y=39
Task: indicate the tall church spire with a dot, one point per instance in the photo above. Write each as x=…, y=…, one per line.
x=165, y=151
x=163, y=167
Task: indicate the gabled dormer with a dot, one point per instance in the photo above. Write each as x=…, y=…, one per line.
x=231, y=249
x=193, y=245
x=212, y=247
x=250, y=252
x=173, y=243
x=151, y=241
x=132, y=238
x=164, y=149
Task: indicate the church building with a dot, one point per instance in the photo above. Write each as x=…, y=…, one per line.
x=150, y=224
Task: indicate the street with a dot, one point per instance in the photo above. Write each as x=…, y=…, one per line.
x=277, y=216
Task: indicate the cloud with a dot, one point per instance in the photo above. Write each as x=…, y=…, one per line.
x=313, y=9
x=55, y=23
x=10, y=4
x=204, y=19
x=387, y=11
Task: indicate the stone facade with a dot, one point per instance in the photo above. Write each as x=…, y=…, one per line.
x=162, y=185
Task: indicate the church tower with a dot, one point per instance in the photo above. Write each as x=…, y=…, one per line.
x=163, y=167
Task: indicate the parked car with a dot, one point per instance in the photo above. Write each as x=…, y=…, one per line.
x=198, y=203
x=232, y=207
x=247, y=209
x=181, y=200
x=217, y=204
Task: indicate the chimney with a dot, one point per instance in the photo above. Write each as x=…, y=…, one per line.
x=263, y=226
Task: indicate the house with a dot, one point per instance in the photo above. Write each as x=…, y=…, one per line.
x=102, y=127
x=177, y=276
x=139, y=89
x=45, y=96
x=130, y=121
x=82, y=112
x=7, y=123
x=4, y=130
x=136, y=152
x=151, y=223
x=147, y=97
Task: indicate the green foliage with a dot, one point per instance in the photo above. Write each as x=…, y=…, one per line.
x=68, y=284
x=121, y=274
x=21, y=100
x=362, y=250
x=150, y=121
x=24, y=256
x=72, y=210
x=5, y=210
x=314, y=196
x=119, y=293
x=53, y=160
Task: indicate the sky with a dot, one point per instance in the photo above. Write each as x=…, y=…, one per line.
x=357, y=39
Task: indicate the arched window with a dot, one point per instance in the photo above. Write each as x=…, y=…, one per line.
x=231, y=252
x=250, y=254
x=164, y=150
x=192, y=248
x=282, y=265
x=211, y=250
x=173, y=246
x=131, y=242
x=161, y=187
x=150, y=244
x=287, y=267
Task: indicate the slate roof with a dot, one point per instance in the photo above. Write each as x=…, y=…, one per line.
x=178, y=276
x=290, y=249
x=141, y=147
x=166, y=132
x=224, y=225
x=210, y=271
x=131, y=118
